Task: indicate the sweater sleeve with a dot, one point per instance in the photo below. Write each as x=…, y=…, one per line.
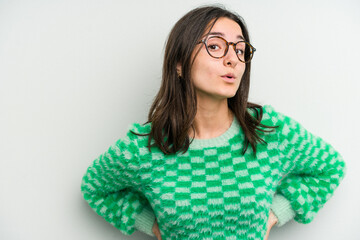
x=311, y=169
x=111, y=187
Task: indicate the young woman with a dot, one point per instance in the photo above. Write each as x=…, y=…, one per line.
x=208, y=164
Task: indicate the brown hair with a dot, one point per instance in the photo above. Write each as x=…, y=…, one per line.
x=173, y=111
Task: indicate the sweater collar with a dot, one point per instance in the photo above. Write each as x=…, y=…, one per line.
x=218, y=141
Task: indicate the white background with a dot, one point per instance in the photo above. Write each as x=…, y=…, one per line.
x=74, y=75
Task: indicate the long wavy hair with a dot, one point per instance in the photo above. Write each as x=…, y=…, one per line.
x=174, y=108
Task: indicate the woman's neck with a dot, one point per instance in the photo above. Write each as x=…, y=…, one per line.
x=212, y=119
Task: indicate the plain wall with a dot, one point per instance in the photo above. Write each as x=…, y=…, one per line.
x=74, y=75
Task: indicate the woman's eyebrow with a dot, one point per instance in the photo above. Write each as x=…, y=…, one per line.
x=222, y=35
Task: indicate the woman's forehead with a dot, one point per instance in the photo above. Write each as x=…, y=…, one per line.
x=226, y=28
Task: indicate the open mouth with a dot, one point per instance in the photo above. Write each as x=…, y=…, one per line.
x=228, y=77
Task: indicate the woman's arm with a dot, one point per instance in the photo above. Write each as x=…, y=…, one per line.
x=110, y=186
x=312, y=170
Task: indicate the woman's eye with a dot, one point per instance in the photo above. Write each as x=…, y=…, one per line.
x=213, y=47
x=239, y=51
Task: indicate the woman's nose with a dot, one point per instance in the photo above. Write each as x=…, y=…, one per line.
x=230, y=57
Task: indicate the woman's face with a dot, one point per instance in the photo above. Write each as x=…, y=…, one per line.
x=218, y=78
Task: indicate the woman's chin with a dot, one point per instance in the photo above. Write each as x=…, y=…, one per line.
x=229, y=94
x=225, y=96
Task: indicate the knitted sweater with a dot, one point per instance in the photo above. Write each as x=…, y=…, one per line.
x=213, y=191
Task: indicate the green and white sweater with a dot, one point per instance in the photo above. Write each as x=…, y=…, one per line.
x=213, y=191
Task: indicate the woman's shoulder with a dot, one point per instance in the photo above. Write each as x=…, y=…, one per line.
x=267, y=113
x=266, y=110
x=141, y=128
x=138, y=131
x=136, y=137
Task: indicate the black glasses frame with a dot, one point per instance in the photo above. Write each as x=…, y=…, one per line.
x=252, y=49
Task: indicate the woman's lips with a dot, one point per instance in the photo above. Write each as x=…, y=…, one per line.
x=229, y=78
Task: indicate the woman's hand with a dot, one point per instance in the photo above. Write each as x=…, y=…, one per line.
x=271, y=222
x=156, y=230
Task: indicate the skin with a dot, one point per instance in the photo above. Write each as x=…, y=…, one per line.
x=213, y=116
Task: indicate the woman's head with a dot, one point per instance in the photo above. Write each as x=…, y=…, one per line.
x=216, y=69
x=185, y=71
x=183, y=48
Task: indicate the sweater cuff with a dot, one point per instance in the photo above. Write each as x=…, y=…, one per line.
x=282, y=209
x=145, y=220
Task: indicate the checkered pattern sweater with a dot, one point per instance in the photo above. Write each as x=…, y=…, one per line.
x=213, y=191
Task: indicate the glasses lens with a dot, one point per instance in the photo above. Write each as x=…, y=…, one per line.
x=216, y=47
x=244, y=51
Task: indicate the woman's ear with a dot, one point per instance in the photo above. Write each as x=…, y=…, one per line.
x=179, y=70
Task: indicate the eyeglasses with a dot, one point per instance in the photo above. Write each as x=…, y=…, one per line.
x=217, y=47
